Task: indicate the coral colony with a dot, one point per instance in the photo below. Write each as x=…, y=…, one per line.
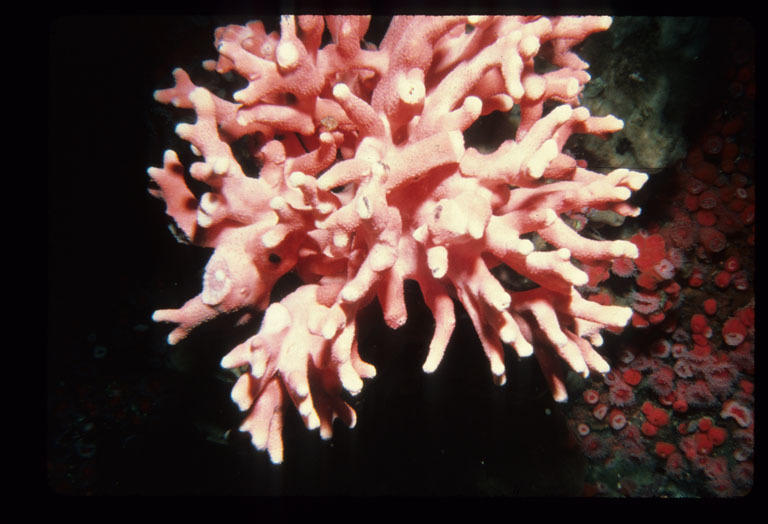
x=365, y=181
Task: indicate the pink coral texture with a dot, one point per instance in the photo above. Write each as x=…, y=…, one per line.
x=365, y=181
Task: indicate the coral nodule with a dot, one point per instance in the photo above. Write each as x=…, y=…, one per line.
x=365, y=182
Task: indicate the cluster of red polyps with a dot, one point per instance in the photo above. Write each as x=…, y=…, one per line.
x=657, y=291
x=687, y=398
x=691, y=409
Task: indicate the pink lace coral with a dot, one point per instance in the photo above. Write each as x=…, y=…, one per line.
x=366, y=181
